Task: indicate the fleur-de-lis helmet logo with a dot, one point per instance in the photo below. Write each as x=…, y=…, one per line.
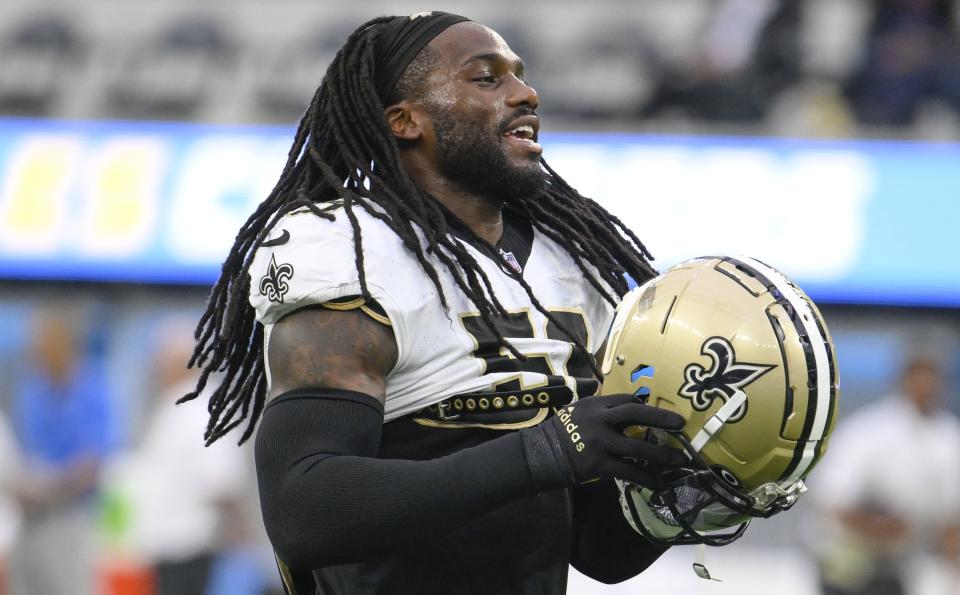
x=725, y=376
x=274, y=284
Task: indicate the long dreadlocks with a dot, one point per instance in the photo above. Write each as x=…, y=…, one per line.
x=343, y=150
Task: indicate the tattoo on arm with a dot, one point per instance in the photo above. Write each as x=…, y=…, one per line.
x=317, y=347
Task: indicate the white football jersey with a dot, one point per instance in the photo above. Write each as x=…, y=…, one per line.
x=441, y=354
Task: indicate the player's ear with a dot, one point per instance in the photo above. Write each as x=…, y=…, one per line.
x=404, y=120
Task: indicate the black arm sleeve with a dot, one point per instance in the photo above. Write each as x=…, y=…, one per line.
x=326, y=500
x=605, y=547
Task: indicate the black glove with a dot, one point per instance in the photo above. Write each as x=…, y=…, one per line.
x=585, y=441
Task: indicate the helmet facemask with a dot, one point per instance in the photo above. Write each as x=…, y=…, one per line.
x=700, y=503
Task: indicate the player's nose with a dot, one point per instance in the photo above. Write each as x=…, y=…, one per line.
x=520, y=93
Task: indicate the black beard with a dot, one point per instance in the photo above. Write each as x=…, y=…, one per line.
x=474, y=158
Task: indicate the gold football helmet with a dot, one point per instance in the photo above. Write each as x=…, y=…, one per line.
x=744, y=356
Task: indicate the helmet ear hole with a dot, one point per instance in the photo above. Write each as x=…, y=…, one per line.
x=641, y=371
x=727, y=476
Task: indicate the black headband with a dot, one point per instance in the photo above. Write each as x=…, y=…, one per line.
x=401, y=40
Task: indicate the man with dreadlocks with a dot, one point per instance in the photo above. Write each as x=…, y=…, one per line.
x=403, y=313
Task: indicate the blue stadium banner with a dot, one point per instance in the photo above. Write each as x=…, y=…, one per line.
x=852, y=221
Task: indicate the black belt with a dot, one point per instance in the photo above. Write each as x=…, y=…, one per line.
x=483, y=404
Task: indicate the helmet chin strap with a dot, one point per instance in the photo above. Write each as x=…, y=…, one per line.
x=717, y=421
x=700, y=563
x=708, y=431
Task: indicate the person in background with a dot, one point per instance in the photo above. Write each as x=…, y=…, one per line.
x=181, y=493
x=890, y=490
x=749, y=51
x=65, y=428
x=912, y=56
x=9, y=512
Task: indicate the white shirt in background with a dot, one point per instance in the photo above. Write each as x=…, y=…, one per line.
x=174, y=484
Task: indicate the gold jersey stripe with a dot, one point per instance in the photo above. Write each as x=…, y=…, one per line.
x=285, y=576
x=355, y=303
x=375, y=315
x=347, y=305
x=431, y=423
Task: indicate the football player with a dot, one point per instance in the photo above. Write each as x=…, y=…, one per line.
x=403, y=314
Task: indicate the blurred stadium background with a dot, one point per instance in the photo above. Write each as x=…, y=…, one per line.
x=820, y=136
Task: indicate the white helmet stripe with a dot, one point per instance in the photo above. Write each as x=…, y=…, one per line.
x=715, y=423
x=821, y=361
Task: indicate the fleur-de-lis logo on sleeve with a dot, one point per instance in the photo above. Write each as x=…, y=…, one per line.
x=725, y=377
x=274, y=284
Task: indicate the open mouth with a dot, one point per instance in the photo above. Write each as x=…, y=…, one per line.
x=523, y=134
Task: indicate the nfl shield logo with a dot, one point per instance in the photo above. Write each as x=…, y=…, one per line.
x=511, y=260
